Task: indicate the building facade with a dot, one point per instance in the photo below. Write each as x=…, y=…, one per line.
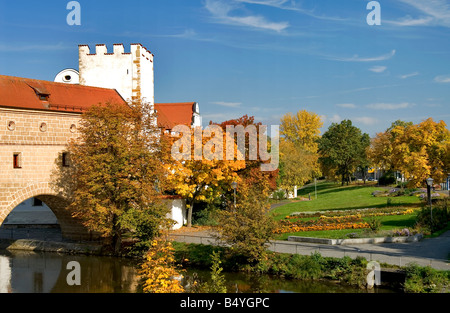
x=37, y=118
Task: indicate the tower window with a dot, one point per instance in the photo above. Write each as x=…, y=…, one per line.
x=17, y=160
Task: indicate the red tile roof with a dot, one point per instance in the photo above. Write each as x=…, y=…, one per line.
x=25, y=93
x=172, y=114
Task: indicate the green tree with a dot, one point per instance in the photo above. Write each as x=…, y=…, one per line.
x=247, y=228
x=218, y=283
x=342, y=148
x=115, y=178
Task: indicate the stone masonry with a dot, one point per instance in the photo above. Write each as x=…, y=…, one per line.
x=37, y=138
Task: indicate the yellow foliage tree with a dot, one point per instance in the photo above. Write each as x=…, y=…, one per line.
x=297, y=165
x=302, y=129
x=197, y=178
x=159, y=270
x=417, y=150
x=299, y=148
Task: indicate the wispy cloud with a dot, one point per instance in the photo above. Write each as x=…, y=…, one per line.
x=221, y=12
x=366, y=120
x=409, y=75
x=228, y=104
x=336, y=118
x=409, y=21
x=357, y=58
x=33, y=47
x=347, y=105
x=434, y=12
x=292, y=6
x=378, y=69
x=390, y=106
x=442, y=79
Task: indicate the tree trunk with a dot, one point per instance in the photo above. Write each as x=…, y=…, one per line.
x=189, y=214
x=116, y=238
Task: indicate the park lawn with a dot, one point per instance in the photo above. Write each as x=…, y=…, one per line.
x=332, y=196
x=388, y=223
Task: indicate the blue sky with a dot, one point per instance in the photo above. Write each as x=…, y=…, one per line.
x=257, y=57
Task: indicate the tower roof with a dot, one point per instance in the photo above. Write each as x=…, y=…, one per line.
x=25, y=93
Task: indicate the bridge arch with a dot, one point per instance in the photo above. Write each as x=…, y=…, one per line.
x=71, y=227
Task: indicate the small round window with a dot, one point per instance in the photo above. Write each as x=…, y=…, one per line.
x=11, y=125
x=73, y=128
x=43, y=127
x=67, y=78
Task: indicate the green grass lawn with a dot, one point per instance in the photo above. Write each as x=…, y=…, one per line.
x=332, y=196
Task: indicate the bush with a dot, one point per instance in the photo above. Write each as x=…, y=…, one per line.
x=279, y=195
x=425, y=280
x=387, y=179
x=374, y=223
x=441, y=215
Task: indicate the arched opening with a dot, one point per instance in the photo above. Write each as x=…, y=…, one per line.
x=70, y=227
x=31, y=219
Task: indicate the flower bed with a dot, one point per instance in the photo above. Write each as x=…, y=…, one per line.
x=333, y=220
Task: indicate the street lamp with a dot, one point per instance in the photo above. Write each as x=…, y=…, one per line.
x=234, y=186
x=429, y=184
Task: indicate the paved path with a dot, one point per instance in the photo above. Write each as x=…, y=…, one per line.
x=432, y=251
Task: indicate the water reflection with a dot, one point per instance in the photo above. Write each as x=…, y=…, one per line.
x=29, y=272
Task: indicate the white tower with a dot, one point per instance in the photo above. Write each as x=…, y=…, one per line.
x=130, y=73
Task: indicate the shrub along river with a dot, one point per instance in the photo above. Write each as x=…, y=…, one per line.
x=31, y=272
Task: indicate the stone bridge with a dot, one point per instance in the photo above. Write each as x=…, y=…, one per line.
x=37, y=118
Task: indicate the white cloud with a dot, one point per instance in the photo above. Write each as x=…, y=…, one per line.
x=390, y=106
x=346, y=105
x=357, y=58
x=366, y=120
x=292, y=6
x=442, y=79
x=378, y=69
x=409, y=21
x=228, y=104
x=221, y=12
x=409, y=75
x=335, y=118
x=437, y=12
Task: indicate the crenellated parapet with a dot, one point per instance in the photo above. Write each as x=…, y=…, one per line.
x=130, y=73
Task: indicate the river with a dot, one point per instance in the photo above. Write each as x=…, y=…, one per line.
x=31, y=272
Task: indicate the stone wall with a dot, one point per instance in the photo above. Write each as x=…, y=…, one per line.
x=38, y=138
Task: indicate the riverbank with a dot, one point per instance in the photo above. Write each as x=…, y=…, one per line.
x=52, y=246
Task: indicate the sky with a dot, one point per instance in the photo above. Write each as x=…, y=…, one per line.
x=263, y=58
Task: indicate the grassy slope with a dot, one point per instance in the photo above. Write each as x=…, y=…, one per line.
x=331, y=196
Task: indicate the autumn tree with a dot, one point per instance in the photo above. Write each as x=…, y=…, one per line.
x=299, y=148
x=302, y=129
x=115, y=169
x=418, y=151
x=297, y=165
x=342, y=148
x=267, y=180
x=199, y=169
x=159, y=270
